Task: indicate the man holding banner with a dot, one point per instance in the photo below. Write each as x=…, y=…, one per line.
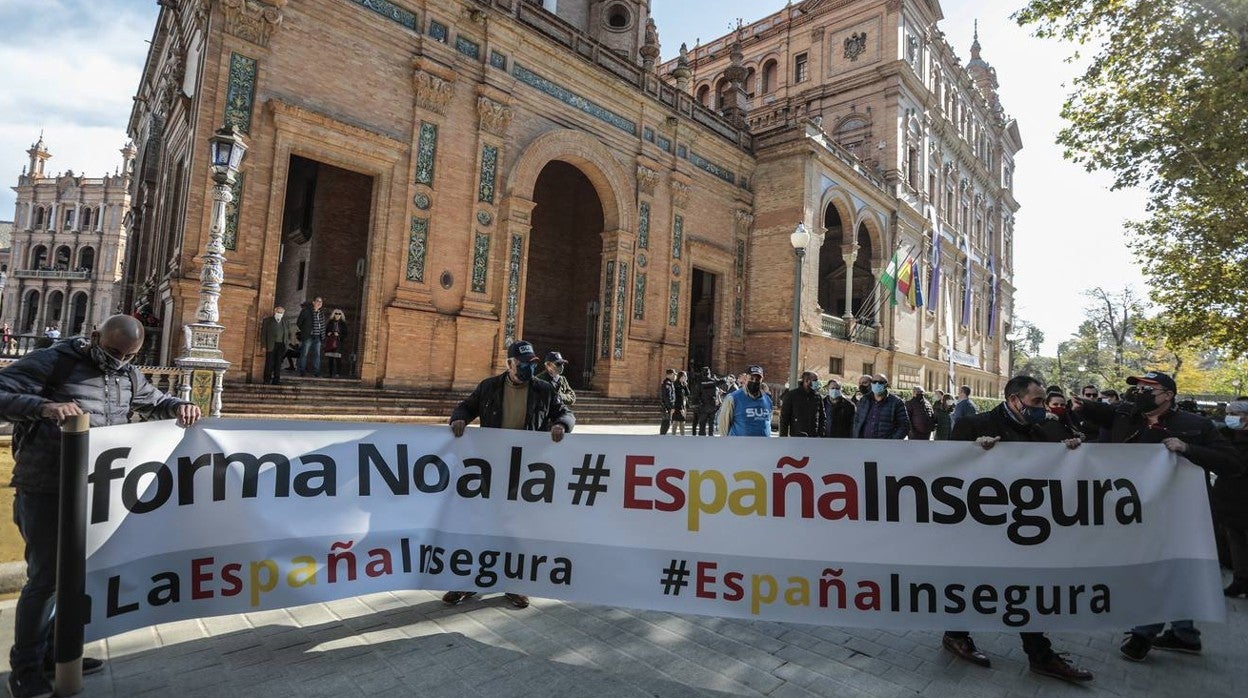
x=512, y=400
x=73, y=377
x=1021, y=417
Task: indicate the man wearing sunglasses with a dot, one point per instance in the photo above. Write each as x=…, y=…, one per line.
x=881, y=415
x=72, y=377
x=1091, y=432
x=1151, y=418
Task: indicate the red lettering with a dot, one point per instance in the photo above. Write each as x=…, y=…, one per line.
x=632, y=481
x=668, y=479
x=706, y=577
x=234, y=583
x=736, y=592
x=199, y=576
x=834, y=506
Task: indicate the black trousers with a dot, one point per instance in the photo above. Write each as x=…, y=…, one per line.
x=666, y=422
x=273, y=364
x=1036, y=645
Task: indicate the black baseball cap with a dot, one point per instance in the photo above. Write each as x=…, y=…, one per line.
x=556, y=357
x=1155, y=378
x=755, y=370
x=522, y=351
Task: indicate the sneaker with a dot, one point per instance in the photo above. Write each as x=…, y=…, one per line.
x=1173, y=643
x=1055, y=665
x=90, y=665
x=455, y=598
x=1135, y=647
x=29, y=682
x=518, y=600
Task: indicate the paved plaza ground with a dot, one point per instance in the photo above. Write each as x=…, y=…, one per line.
x=410, y=644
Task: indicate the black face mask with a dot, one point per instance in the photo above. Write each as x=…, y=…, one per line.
x=864, y=388
x=525, y=372
x=1146, y=401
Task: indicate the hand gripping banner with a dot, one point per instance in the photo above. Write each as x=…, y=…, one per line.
x=238, y=516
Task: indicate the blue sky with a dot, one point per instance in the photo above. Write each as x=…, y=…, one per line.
x=72, y=67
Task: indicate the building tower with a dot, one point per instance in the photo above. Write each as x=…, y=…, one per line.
x=38, y=157
x=984, y=75
x=620, y=24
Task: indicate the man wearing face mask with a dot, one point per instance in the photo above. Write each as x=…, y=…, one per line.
x=72, y=377
x=747, y=410
x=514, y=399
x=1153, y=419
x=275, y=335
x=555, y=365
x=838, y=413
x=881, y=415
x=1021, y=417
x=801, y=411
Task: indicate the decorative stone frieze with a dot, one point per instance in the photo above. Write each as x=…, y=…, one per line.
x=252, y=20
x=495, y=117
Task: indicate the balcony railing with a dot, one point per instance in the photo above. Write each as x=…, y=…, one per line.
x=52, y=274
x=834, y=327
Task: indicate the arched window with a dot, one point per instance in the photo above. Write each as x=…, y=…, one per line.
x=721, y=92
x=38, y=257
x=751, y=83
x=86, y=259
x=39, y=218
x=704, y=93
x=63, y=256
x=769, y=76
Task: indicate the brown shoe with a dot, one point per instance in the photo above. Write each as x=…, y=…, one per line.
x=518, y=600
x=454, y=598
x=964, y=648
x=1055, y=665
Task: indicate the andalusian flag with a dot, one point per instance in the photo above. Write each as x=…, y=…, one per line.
x=891, y=275
x=901, y=279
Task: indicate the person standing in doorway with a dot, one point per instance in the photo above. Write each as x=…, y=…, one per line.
x=335, y=337
x=274, y=336
x=667, y=400
x=312, y=330
x=681, y=404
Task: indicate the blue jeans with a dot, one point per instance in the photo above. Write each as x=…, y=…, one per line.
x=35, y=514
x=310, y=347
x=1185, y=630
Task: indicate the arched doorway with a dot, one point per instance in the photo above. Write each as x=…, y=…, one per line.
x=77, y=315
x=563, y=278
x=54, y=309
x=832, y=267
x=30, y=312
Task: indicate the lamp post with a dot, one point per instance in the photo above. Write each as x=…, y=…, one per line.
x=201, y=350
x=800, y=239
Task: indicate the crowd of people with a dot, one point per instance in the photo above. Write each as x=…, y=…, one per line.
x=1147, y=411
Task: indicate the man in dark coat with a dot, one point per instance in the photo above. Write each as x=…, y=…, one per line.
x=880, y=414
x=1153, y=419
x=275, y=334
x=920, y=414
x=801, y=413
x=667, y=400
x=1230, y=500
x=838, y=413
x=706, y=394
x=72, y=377
x=1021, y=417
x=514, y=399
x=311, y=324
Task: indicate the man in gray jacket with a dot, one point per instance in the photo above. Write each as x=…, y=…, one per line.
x=76, y=376
x=276, y=334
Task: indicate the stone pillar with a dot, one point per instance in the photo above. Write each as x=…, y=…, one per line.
x=201, y=348
x=613, y=319
x=849, y=252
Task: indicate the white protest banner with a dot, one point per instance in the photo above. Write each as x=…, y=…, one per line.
x=238, y=516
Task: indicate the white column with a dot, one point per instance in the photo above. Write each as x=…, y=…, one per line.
x=849, y=253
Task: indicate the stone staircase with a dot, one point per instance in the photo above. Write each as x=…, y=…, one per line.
x=347, y=400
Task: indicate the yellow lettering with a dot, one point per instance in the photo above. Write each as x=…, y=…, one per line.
x=798, y=593
x=696, y=503
x=757, y=594
x=258, y=586
x=305, y=573
x=756, y=491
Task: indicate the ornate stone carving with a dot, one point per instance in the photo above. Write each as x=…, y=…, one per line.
x=744, y=219
x=495, y=117
x=680, y=193
x=855, y=45
x=647, y=179
x=432, y=92
x=252, y=20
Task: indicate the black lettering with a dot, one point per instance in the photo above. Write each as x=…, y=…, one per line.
x=461, y=563
x=870, y=476
x=101, y=479
x=114, y=607
x=1100, y=599
x=982, y=596
x=187, y=467
x=1027, y=495
x=1060, y=517
x=167, y=589
x=562, y=573
x=941, y=493
x=924, y=588
x=956, y=602
x=892, y=497
x=130, y=487
x=1016, y=613
x=1132, y=500
x=439, y=466
x=1045, y=608
x=472, y=485
x=251, y=474
x=327, y=474
x=977, y=499
x=394, y=478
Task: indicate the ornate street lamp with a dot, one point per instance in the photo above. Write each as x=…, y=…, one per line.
x=201, y=351
x=800, y=239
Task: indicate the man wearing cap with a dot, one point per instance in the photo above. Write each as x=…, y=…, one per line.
x=555, y=364
x=746, y=411
x=1152, y=419
x=801, y=410
x=513, y=400
x=881, y=415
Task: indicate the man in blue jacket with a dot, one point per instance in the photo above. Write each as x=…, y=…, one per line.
x=746, y=411
x=72, y=377
x=881, y=415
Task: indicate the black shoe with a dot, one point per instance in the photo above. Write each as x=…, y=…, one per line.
x=1238, y=587
x=455, y=598
x=964, y=648
x=518, y=600
x=1135, y=647
x=29, y=682
x=1173, y=643
x=1055, y=665
x=90, y=665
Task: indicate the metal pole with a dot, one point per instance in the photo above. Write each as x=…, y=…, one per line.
x=71, y=557
x=799, y=252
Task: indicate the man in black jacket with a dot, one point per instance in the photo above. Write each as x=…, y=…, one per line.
x=667, y=400
x=838, y=413
x=1021, y=417
x=513, y=400
x=72, y=377
x=801, y=413
x=880, y=414
x=1153, y=419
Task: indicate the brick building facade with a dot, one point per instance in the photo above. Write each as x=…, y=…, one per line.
x=457, y=173
x=68, y=239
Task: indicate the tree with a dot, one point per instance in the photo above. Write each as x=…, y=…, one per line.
x=1162, y=105
x=1115, y=316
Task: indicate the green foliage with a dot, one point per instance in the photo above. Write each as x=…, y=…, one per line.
x=1162, y=105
